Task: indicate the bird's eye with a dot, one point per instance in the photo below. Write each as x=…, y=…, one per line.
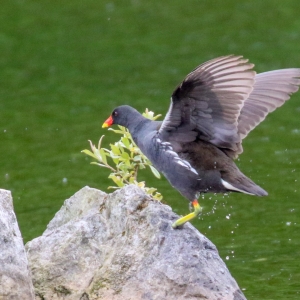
x=115, y=113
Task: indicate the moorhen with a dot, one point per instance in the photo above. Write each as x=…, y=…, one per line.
x=211, y=112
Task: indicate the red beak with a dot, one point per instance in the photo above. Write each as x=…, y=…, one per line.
x=108, y=122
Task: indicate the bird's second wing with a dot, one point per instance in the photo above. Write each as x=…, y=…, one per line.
x=271, y=90
x=209, y=101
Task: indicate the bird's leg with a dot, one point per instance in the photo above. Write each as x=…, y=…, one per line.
x=189, y=217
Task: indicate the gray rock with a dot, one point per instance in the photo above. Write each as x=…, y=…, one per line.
x=15, y=278
x=122, y=246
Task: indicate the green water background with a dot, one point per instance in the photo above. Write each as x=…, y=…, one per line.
x=64, y=65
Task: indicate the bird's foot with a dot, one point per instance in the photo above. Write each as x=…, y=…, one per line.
x=189, y=217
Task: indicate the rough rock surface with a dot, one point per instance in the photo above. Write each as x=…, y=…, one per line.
x=15, y=279
x=121, y=246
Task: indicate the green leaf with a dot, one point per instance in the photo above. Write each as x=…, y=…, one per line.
x=157, y=196
x=88, y=152
x=115, y=160
x=125, y=155
x=150, y=190
x=121, y=148
x=125, y=141
x=114, y=187
x=103, y=156
x=115, y=150
x=142, y=166
x=137, y=158
x=95, y=163
x=117, y=180
x=155, y=172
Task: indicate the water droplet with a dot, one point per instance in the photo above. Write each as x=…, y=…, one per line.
x=6, y=176
x=65, y=180
x=110, y=7
x=288, y=223
x=227, y=257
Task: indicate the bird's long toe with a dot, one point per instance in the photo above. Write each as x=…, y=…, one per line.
x=189, y=217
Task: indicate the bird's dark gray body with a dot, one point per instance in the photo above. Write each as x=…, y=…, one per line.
x=198, y=167
x=211, y=112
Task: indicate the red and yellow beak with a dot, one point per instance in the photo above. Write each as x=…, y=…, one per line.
x=108, y=122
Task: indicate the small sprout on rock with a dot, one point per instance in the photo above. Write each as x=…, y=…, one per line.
x=124, y=159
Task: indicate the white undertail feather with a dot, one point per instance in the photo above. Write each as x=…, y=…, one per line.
x=230, y=187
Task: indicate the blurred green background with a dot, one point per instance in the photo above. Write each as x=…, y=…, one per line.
x=64, y=66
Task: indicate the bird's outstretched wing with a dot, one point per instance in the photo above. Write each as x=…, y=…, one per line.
x=271, y=90
x=207, y=104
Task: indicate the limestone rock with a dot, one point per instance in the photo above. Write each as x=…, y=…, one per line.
x=122, y=246
x=15, y=279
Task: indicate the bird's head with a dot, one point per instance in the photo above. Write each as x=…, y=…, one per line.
x=122, y=115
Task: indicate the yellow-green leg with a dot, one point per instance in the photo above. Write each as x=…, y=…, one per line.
x=189, y=217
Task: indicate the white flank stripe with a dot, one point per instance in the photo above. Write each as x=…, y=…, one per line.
x=181, y=163
x=167, y=147
x=172, y=152
x=228, y=186
x=185, y=164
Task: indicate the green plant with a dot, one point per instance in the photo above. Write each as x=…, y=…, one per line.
x=124, y=159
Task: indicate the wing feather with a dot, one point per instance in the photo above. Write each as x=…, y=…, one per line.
x=271, y=90
x=210, y=100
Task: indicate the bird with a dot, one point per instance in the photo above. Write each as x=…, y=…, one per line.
x=211, y=111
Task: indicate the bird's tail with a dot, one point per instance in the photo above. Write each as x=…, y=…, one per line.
x=243, y=184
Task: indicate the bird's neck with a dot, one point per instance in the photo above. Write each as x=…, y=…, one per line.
x=137, y=127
